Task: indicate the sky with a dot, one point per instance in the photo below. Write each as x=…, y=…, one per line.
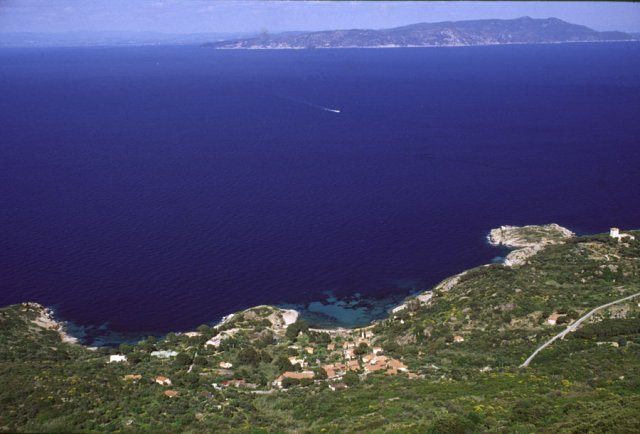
x=229, y=16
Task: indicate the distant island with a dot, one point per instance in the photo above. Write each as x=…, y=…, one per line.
x=523, y=30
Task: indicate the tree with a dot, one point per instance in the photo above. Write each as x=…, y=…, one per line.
x=204, y=329
x=288, y=382
x=361, y=349
x=351, y=379
x=183, y=359
x=296, y=328
x=200, y=361
x=320, y=373
x=248, y=356
x=283, y=364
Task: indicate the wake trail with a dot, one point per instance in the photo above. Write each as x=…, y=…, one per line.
x=310, y=104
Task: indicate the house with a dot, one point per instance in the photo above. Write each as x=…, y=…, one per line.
x=458, y=339
x=171, y=393
x=349, y=354
x=380, y=359
x=338, y=386
x=331, y=347
x=348, y=344
x=377, y=351
x=192, y=334
x=397, y=365
x=295, y=360
x=163, y=381
x=353, y=365
x=224, y=372
x=133, y=377
x=164, y=354
x=117, y=358
x=309, y=350
x=304, y=375
x=366, y=334
x=331, y=372
x=217, y=339
x=373, y=367
x=615, y=233
x=235, y=383
x=553, y=318
x=367, y=358
x=225, y=365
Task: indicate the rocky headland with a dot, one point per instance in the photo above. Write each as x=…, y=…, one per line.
x=527, y=240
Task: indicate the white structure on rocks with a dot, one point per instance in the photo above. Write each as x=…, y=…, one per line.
x=615, y=233
x=117, y=358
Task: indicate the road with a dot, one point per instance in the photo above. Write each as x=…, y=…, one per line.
x=574, y=326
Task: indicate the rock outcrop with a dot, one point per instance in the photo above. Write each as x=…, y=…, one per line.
x=528, y=240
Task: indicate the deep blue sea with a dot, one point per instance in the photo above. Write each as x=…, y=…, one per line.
x=152, y=189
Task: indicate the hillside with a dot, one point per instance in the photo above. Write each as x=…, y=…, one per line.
x=523, y=30
x=446, y=361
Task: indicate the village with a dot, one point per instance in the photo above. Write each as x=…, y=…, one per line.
x=340, y=361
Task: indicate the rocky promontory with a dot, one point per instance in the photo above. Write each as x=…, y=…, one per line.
x=528, y=240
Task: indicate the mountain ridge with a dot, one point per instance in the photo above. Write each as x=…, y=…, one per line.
x=524, y=30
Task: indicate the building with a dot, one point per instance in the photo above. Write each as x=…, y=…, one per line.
x=338, y=386
x=353, y=365
x=295, y=360
x=615, y=233
x=458, y=339
x=164, y=354
x=163, y=381
x=171, y=393
x=117, y=358
x=397, y=365
x=553, y=318
x=304, y=375
x=225, y=365
x=133, y=377
x=349, y=354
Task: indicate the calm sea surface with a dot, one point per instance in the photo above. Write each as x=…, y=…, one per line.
x=145, y=190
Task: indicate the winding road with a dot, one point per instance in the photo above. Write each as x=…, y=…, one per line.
x=573, y=327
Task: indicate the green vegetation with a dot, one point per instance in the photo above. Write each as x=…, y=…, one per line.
x=462, y=349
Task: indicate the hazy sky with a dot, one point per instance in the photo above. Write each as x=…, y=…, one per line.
x=195, y=16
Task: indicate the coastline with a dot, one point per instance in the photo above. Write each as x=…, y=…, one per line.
x=523, y=242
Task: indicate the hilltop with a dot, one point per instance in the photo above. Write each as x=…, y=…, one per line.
x=447, y=360
x=523, y=30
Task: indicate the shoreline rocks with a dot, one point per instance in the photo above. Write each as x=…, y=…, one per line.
x=46, y=320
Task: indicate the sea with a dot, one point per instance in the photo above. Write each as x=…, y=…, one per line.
x=152, y=189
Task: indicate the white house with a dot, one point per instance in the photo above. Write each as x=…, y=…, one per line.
x=164, y=354
x=553, y=319
x=117, y=358
x=615, y=233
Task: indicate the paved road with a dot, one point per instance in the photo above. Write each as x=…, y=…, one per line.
x=573, y=327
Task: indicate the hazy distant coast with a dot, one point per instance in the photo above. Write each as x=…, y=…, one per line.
x=518, y=31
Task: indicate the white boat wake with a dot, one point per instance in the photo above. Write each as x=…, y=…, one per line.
x=310, y=104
